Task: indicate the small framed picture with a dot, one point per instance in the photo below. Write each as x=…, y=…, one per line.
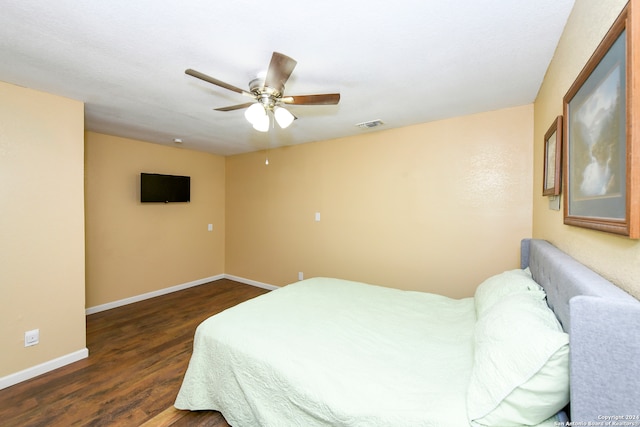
x=553, y=159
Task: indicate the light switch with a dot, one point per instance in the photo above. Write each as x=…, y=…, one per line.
x=210, y=227
x=317, y=216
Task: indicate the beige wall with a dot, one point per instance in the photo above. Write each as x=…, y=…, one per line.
x=41, y=227
x=435, y=207
x=615, y=257
x=134, y=248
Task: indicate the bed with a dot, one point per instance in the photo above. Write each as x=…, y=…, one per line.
x=328, y=352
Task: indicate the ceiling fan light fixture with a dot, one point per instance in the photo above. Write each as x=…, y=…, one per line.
x=262, y=123
x=283, y=117
x=256, y=113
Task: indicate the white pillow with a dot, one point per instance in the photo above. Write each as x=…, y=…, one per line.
x=497, y=287
x=521, y=364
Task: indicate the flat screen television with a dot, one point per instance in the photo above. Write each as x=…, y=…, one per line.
x=158, y=188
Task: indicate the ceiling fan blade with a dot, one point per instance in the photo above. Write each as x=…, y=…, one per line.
x=322, y=99
x=280, y=68
x=209, y=79
x=235, y=107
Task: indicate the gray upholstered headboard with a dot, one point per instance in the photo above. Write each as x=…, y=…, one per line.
x=603, y=323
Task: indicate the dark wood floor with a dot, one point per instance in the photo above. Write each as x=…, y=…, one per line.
x=137, y=357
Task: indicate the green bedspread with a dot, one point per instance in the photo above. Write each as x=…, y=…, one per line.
x=328, y=352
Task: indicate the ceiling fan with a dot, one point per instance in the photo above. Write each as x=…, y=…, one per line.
x=268, y=94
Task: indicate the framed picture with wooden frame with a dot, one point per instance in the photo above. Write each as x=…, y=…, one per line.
x=602, y=134
x=552, y=159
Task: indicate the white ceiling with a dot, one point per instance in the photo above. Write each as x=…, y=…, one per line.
x=400, y=61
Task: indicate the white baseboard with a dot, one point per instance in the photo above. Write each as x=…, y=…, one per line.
x=43, y=368
x=142, y=297
x=251, y=282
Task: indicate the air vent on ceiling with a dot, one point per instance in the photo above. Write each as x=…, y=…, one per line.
x=370, y=124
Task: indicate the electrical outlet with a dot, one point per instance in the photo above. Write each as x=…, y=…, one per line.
x=300, y=275
x=31, y=337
